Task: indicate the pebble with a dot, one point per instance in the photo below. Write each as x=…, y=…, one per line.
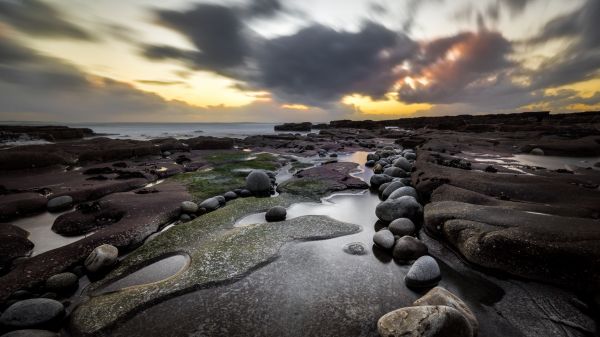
x=355, y=248
x=403, y=207
x=403, y=191
x=210, y=204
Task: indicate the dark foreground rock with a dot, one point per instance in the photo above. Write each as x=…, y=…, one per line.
x=424, y=321
x=33, y=313
x=13, y=244
x=544, y=247
x=142, y=215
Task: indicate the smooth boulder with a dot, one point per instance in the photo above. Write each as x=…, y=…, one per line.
x=403, y=191
x=403, y=207
x=389, y=189
x=210, y=204
x=259, y=183
x=101, y=257
x=441, y=296
x=409, y=248
x=424, y=273
x=62, y=282
x=403, y=163
x=33, y=313
x=230, y=195
x=379, y=179
x=402, y=227
x=395, y=172
x=189, y=207
x=277, y=213
x=384, y=239
x=424, y=321
x=60, y=203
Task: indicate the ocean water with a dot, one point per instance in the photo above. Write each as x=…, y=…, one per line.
x=145, y=131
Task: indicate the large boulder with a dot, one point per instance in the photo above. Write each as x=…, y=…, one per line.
x=424, y=321
x=441, y=296
x=33, y=313
x=403, y=207
x=102, y=257
x=259, y=183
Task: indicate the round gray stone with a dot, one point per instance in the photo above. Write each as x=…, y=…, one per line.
x=259, y=183
x=408, y=248
x=379, y=179
x=402, y=227
x=537, y=151
x=403, y=207
x=277, y=213
x=189, y=207
x=395, y=172
x=384, y=239
x=210, y=204
x=403, y=163
x=394, y=185
x=62, y=282
x=424, y=273
x=101, y=257
x=33, y=313
x=403, y=191
x=230, y=195
x=60, y=203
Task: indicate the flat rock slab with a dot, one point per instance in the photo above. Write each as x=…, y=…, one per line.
x=319, y=181
x=216, y=257
x=563, y=250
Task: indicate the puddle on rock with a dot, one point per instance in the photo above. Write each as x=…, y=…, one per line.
x=157, y=271
x=41, y=234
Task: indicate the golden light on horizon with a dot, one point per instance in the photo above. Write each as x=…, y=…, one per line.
x=389, y=106
x=294, y=106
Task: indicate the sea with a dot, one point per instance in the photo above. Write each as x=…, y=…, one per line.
x=147, y=131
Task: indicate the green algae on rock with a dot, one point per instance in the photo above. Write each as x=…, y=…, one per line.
x=227, y=173
x=217, y=256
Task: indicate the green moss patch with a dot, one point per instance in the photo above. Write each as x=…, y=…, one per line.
x=228, y=172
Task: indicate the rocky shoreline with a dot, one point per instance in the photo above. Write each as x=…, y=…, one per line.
x=509, y=200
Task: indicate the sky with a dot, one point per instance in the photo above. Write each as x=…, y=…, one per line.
x=294, y=60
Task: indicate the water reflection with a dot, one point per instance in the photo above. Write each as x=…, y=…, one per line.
x=157, y=271
x=41, y=234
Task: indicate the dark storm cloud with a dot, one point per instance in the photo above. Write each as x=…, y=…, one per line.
x=459, y=67
x=581, y=59
x=263, y=8
x=21, y=65
x=319, y=64
x=40, y=19
x=316, y=65
x=216, y=32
